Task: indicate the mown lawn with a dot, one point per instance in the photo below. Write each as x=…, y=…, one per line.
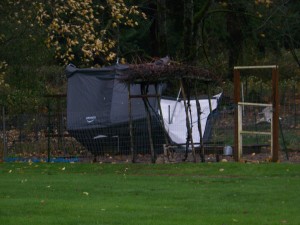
x=144, y=194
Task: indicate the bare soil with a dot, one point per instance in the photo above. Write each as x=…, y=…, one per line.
x=179, y=157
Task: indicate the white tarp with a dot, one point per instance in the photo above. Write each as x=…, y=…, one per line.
x=175, y=118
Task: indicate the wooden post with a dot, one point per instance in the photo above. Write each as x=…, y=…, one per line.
x=237, y=95
x=149, y=127
x=275, y=120
x=198, y=106
x=162, y=123
x=213, y=122
x=188, y=125
x=240, y=128
x=161, y=118
x=144, y=92
x=133, y=157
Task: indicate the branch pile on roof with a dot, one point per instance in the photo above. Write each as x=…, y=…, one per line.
x=162, y=70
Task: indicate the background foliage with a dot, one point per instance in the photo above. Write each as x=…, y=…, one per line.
x=38, y=38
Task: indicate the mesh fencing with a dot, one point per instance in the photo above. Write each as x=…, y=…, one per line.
x=44, y=137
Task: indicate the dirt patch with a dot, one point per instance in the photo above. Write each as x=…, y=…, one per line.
x=175, y=157
x=179, y=157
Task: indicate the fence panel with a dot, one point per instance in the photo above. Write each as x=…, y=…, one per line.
x=44, y=136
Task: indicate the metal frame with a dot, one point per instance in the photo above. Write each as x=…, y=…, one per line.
x=275, y=115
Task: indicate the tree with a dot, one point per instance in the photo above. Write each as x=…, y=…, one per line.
x=86, y=32
x=194, y=15
x=157, y=13
x=285, y=25
x=162, y=31
x=188, y=32
x=23, y=54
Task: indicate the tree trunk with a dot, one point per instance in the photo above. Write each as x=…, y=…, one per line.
x=235, y=36
x=188, y=18
x=162, y=27
x=192, y=23
x=197, y=26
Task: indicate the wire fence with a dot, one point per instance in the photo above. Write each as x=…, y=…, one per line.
x=44, y=137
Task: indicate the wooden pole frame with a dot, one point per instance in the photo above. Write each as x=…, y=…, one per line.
x=132, y=150
x=188, y=124
x=275, y=105
x=149, y=122
x=145, y=96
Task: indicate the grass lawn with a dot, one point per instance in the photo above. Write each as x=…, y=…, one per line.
x=144, y=194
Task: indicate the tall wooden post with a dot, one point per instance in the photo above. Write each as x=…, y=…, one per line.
x=213, y=122
x=133, y=155
x=161, y=118
x=198, y=107
x=149, y=127
x=275, y=120
x=237, y=96
x=188, y=124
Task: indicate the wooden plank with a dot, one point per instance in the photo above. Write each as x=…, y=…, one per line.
x=255, y=67
x=255, y=132
x=255, y=104
x=240, y=129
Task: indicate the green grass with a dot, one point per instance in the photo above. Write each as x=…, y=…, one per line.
x=144, y=194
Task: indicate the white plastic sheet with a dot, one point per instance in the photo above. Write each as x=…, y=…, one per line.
x=175, y=118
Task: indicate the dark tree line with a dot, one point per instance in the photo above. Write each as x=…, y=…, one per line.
x=215, y=34
x=207, y=32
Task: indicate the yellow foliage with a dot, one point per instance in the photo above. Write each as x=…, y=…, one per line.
x=85, y=28
x=267, y=3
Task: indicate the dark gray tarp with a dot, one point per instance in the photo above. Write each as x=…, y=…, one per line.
x=98, y=110
x=97, y=98
x=97, y=104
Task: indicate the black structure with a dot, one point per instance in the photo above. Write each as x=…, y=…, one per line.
x=98, y=109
